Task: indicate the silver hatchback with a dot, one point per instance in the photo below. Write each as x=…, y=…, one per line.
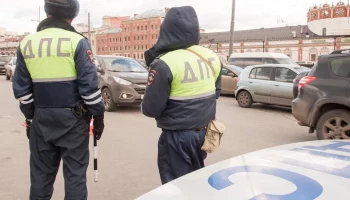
x=269, y=84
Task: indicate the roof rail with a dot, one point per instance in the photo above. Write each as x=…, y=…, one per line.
x=341, y=51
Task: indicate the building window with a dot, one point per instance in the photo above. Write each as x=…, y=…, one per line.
x=93, y=43
x=141, y=56
x=146, y=46
x=156, y=26
x=313, y=57
x=120, y=39
x=145, y=37
x=134, y=37
x=125, y=29
x=152, y=26
x=138, y=37
x=146, y=28
x=98, y=49
x=138, y=28
x=103, y=49
x=152, y=36
x=141, y=28
x=141, y=37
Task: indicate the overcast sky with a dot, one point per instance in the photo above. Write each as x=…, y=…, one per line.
x=214, y=15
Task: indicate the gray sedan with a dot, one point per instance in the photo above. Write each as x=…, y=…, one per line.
x=268, y=84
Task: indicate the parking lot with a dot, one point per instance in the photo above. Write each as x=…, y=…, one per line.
x=128, y=148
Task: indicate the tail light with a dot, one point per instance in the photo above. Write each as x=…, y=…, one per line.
x=306, y=80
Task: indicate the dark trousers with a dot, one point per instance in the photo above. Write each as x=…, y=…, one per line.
x=56, y=134
x=179, y=153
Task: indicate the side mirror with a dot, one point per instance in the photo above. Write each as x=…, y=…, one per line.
x=99, y=68
x=232, y=74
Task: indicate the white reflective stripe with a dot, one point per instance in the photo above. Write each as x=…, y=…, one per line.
x=27, y=102
x=95, y=152
x=193, y=96
x=38, y=80
x=93, y=102
x=92, y=96
x=25, y=97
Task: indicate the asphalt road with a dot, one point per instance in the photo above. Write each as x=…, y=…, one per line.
x=128, y=148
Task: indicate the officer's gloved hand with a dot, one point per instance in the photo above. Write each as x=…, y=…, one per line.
x=28, y=124
x=99, y=126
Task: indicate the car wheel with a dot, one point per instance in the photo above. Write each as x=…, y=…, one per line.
x=244, y=99
x=107, y=100
x=7, y=76
x=334, y=124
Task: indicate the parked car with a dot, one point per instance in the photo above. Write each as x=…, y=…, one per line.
x=229, y=78
x=269, y=84
x=122, y=81
x=3, y=61
x=247, y=59
x=299, y=171
x=143, y=63
x=323, y=102
x=10, y=68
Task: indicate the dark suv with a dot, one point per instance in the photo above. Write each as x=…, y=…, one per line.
x=323, y=101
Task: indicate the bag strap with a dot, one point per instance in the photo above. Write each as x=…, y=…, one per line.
x=202, y=58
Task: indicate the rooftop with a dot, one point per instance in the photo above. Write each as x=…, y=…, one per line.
x=148, y=14
x=270, y=34
x=111, y=30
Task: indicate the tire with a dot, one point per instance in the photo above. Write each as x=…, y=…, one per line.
x=7, y=76
x=244, y=99
x=334, y=124
x=107, y=100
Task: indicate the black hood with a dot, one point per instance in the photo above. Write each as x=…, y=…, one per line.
x=180, y=29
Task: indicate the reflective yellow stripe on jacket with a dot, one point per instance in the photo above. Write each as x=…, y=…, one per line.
x=192, y=77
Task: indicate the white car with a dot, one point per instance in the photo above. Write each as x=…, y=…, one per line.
x=246, y=59
x=300, y=171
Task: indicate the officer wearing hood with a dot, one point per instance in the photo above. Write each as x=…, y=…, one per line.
x=183, y=86
x=56, y=84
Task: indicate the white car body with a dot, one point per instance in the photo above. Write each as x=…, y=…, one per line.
x=255, y=58
x=300, y=171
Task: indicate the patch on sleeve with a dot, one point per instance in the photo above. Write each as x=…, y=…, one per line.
x=151, y=76
x=90, y=56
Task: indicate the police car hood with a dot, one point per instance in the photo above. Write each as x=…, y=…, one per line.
x=301, y=171
x=180, y=29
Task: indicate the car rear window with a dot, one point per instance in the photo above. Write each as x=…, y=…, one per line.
x=340, y=66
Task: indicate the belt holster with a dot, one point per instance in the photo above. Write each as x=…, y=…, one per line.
x=80, y=109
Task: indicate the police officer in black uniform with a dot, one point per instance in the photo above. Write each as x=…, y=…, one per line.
x=57, y=85
x=183, y=85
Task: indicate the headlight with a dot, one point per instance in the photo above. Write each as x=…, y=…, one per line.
x=121, y=81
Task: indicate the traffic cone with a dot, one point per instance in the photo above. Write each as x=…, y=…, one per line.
x=91, y=126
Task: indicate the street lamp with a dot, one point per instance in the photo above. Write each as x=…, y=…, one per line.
x=232, y=27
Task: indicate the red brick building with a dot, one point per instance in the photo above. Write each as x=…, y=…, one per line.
x=134, y=37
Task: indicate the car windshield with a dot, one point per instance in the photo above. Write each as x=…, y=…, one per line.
x=5, y=58
x=123, y=65
x=286, y=61
x=235, y=69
